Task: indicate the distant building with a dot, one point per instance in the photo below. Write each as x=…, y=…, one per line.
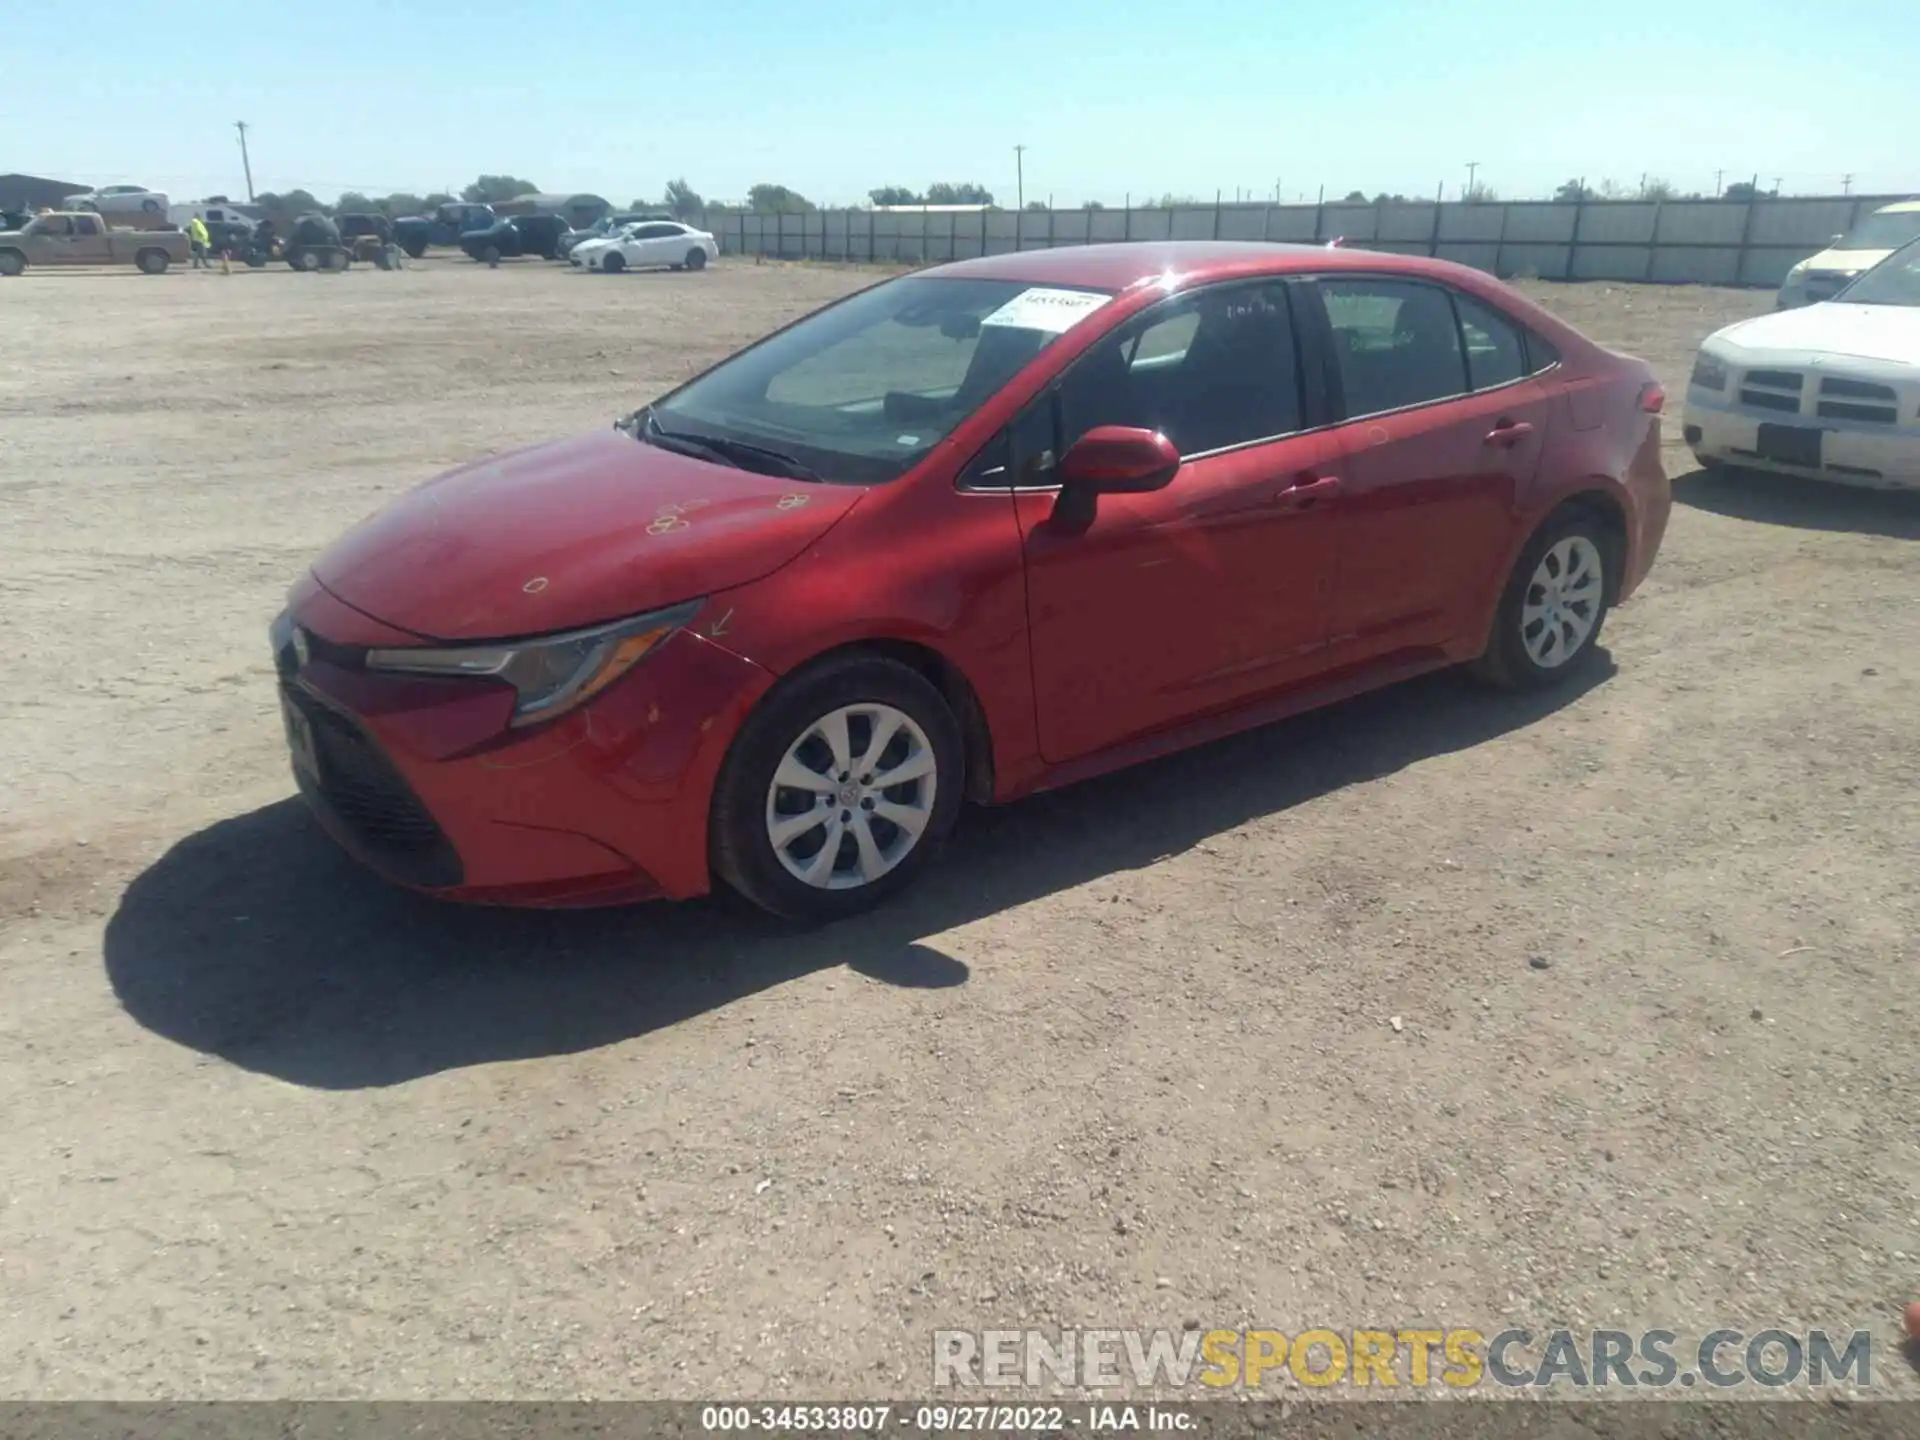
x=30, y=192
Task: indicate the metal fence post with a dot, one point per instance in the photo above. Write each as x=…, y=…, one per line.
x=1433, y=241
x=1320, y=223
x=1216, y=216
x=1653, y=242
x=983, y=231
x=1500, y=240
x=1573, y=240
x=870, y=215
x=1746, y=234
x=1127, y=218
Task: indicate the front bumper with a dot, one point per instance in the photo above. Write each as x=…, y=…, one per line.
x=1880, y=457
x=420, y=779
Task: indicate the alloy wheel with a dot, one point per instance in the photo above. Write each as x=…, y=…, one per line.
x=1562, y=604
x=852, y=796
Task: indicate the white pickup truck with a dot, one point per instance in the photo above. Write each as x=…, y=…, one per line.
x=80, y=237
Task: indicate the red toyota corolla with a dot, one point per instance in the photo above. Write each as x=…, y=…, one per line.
x=969, y=534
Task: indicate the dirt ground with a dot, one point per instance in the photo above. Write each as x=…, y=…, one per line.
x=1128, y=1059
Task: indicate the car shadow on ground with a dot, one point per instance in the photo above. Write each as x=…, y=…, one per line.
x=1772, y=499
x=257, y=941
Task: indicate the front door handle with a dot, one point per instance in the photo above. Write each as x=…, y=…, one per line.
x=1308, y=489
x=1509, y=433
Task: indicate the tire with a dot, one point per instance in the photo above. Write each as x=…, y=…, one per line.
x=152, y=262
x=1565, y=578
x=152, y=207
x=12, y=262
x=696, y=260
x=415, y=251
x=786, y=735
x=490, y=255
x=304, y=260
x=613, y=262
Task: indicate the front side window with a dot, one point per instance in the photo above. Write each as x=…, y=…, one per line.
x=1209, y=370
x=864, y=389
x=1395, y=343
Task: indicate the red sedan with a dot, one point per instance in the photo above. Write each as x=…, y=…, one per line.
x=969, y=534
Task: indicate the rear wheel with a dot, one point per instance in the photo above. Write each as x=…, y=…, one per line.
x=1555, y=603
x=840, y=788
x=491, y=255
x=614, y=263
x=415, y=249
x=152, y=262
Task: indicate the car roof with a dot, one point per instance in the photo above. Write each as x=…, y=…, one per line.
x=1121, y=265
x=1902, y=207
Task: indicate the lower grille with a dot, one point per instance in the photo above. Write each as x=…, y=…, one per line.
x=361, y=791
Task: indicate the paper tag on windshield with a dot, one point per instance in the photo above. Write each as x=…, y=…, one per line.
x=1052, y=311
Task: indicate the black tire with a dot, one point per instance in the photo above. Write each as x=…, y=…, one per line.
x=152, y=262
x=696, y=260
x=613, y=262
x=303, y=259
x=740, y=851
x=490, y=255
x=416, y=250
x=12, y=262
x=152, y=207
x=1508, y=662
x=256, y=261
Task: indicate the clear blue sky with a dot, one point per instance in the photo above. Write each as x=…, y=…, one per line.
x=1110, y=97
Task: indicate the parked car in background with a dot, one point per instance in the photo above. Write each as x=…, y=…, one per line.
x=446, y=226
x=967, y=534
x=129, y=206
x=61, y=238
x=215, y=212
x=601, y=229
x=1820, y=277
x=517, y=235
x=662, y=244
x=1829, y=391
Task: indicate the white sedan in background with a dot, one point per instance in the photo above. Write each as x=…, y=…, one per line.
x=666, y=244
x=1828, y=391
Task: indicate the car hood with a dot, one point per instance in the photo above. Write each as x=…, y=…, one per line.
x=1889, y=333
x=1844, y=262
x=571, y=534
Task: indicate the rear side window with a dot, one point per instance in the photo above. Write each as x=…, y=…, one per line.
x=1540, y=355
x=1496, y=353
x=86, y=225
x=1395, y=343
x=1209, y=370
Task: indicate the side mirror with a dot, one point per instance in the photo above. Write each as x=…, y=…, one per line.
x=1111, y=460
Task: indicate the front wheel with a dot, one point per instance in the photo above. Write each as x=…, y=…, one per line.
x=838, y=790
x=1556, y=600
x=614, y=263
x=12, y=262
x=696, y=260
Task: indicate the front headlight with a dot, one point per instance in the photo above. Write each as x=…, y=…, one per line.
x=553, y=674
x=1709, y=372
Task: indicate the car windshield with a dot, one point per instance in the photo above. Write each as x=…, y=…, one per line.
x=864, y=389
x=1888, y=230
x=1894, y=281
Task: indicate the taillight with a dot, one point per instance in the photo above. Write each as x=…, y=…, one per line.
x=1652, y=398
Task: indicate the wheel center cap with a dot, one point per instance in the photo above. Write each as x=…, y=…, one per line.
x=850, y=794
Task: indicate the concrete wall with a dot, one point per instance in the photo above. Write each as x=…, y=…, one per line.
x=1702, y=242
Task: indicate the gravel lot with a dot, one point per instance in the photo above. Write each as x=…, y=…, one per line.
x=278, y=1130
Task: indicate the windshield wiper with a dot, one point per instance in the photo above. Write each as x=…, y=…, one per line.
x=642, y=425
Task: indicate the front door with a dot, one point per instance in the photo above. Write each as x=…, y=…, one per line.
x=1203, y=595
x=1444, y=430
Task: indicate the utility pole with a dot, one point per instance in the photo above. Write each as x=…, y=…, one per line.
x=1020, y=176
x=245, y=164
x=1846, y=184
x=1718, y=188
x=1472, y=165
x=1776, y=186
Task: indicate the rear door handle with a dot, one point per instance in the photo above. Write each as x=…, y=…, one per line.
x=1509, y=433
x=1308, y=489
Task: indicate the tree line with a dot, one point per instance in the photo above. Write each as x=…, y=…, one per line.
x=681, y=200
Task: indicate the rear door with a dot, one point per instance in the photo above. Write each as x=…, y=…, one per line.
x=1443, y=428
